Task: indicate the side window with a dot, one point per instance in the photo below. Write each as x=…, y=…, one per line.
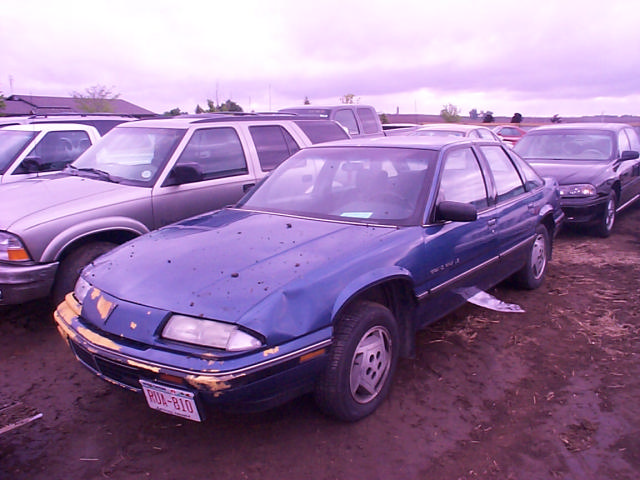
x=507, y=179
x=368, y=119
x=486, y=134
x=462, y=179
x=623, y=142
x=634, y=142
x=273, y=144
x=217, y=152
x=531, y=178
x=56, y=149
x=473, y=134
x=347, y=119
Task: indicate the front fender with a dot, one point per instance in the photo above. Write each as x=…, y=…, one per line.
x=91, y=227
x=367, y=280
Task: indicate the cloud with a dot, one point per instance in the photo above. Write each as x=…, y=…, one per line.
x=159, y=54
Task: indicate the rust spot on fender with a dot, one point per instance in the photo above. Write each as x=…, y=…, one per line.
x=98, y=340
x=104, y=307
x=216, y=385
x=271, y=351
x=144, y=366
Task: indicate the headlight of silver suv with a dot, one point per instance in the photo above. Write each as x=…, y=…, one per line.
x=209, y=333
x=579, y=190
x=12, y=249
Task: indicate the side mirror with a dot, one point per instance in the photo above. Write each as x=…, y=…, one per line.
x=456, y=212
x=629, y=155
x=184, y=173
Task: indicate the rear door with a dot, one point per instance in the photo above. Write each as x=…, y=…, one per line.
x=516, y=211
x=628, y=170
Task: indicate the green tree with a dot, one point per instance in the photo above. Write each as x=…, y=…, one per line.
x=96, y=98
x=2, y=104
x=307, y=101
x=348, y=99
x=228, y=106
x=174, y=112
x=383, y=118
x=450, y=113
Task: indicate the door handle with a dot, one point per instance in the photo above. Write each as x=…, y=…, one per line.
x=248, y=186
x=492, y=222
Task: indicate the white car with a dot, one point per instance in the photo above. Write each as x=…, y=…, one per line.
x=35, y=149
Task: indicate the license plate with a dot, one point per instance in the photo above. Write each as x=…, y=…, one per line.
x=170, y=400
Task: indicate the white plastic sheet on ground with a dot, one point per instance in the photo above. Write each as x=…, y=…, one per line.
x=483, y=299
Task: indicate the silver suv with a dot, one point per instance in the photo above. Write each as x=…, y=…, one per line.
x=141, y=176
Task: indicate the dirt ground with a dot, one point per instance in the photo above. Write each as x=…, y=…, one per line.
x=552, y=393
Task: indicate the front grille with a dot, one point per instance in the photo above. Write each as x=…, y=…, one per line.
x=124, y=375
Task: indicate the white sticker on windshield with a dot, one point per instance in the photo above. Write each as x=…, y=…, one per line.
x=357, y=214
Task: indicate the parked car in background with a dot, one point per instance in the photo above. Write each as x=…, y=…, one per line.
x=596, y=165
x=454, y=130
x=509, y=134
x=30, y=150
x=140, y=176
x=317, y=280
x=358, y=120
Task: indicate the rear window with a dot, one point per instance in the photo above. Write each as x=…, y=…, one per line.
x=322, y=131
x=369, y=120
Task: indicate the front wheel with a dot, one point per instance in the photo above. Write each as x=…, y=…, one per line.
x=362, y=361
x=532, y=274
x=608, y=218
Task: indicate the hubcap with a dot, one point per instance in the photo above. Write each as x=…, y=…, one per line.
x=370, y=364
x=538, y=256
x=610, y=214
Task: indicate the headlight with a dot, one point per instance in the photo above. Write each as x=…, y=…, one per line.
x=12, y=249
x=81, y=289
x=209, y=333
x=583, y=190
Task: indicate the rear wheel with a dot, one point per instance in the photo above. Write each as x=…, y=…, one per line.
x=362, y=361
x=70, y=268
x=532, y=274
x=608, y=218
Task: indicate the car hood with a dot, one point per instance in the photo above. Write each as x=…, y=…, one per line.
x=224, y=264
x=30, y=202
x=568, y=172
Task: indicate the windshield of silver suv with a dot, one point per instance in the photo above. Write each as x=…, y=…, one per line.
x=134, y=156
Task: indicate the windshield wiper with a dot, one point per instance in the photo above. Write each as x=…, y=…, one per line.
x=100, y=173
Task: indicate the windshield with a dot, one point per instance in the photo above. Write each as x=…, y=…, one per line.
x=365, y=184
x=12, y=143
x=131, y=155
x=566, y=145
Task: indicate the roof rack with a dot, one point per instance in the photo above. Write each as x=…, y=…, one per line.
x=70, y=114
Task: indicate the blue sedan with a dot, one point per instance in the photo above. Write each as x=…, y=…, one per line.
x=316, y=281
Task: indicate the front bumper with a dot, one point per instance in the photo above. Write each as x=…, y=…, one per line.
x=248, y=382
x=583, y=210
x=22, y=283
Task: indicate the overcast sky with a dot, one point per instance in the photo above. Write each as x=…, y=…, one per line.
x=539, y=58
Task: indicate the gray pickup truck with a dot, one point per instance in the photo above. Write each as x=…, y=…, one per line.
x=141, y=176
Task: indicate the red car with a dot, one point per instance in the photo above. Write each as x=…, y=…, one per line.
x=509, y=133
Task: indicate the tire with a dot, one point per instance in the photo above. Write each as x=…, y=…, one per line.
x=71, y=266
x=532, y=274
x=362, y=361
x=605, y=224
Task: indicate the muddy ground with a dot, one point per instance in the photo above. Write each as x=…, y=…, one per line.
x=552, y=393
